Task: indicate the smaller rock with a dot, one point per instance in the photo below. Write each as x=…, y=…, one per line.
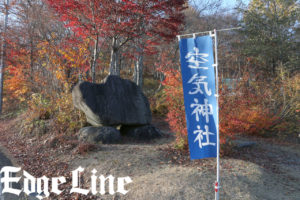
x=240, y=144
x=103, y=134
x=145, y=133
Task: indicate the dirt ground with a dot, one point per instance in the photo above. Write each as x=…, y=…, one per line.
x=266, y=170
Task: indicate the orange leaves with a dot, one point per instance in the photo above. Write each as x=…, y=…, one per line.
x=173, y=97
x=15, y=84
x=77, y=54
x=50, y=67
x=60, y=75
x=243, y=109
x=66, y=59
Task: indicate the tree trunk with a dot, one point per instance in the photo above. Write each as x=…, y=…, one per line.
x=138, y=68
x=138, y=71
x=3, y=55
x=31, y=57
x=114, y=57
x=94, y=61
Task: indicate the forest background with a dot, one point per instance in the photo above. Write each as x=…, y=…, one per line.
x=49, y=45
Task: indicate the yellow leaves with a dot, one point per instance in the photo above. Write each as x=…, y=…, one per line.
x=75, y=56
x=22, y=99
x=66, y=85
x=67, y=116
x=43, y=48
x=59, y=75
x=53, y=35
x=64, y=60
x=22, y=90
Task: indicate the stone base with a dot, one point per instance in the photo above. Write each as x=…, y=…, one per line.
x=144, y=133
x=103, y=134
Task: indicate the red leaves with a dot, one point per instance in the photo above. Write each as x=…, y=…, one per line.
x=173, y=95
x=126, y=18
x=242, y=109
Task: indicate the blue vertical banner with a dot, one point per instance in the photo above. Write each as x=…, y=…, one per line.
x=198, y=78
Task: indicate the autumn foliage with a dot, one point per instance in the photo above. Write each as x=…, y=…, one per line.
x=45, y=91
x=51, y=44
x=173, y=96
x=245, y=107
x=55, y=43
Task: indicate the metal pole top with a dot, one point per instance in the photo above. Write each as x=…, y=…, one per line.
x=198, y=33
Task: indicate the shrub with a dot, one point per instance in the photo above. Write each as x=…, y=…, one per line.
x=173, y=96
x=158, y=104
x=243, y=109
x=66, y=118
x=286, y=103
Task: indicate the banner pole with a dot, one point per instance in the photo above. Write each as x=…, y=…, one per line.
x=217, y=184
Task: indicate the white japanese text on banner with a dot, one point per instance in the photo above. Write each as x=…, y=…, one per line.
x=198, y=77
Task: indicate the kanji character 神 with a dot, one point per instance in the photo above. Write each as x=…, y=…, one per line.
x=202, y=109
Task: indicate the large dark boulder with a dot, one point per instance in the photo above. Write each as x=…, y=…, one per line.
x=114, y=102
x=103, y=134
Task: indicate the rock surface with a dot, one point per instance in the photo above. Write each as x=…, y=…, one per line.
x=143, y=133
x=239, y=144
x=116, y=101
x=104, y=134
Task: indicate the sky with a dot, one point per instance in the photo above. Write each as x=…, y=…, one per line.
x=228, y=5
x=232, y=3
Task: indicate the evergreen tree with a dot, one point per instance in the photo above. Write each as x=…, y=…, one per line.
x=269, y=28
